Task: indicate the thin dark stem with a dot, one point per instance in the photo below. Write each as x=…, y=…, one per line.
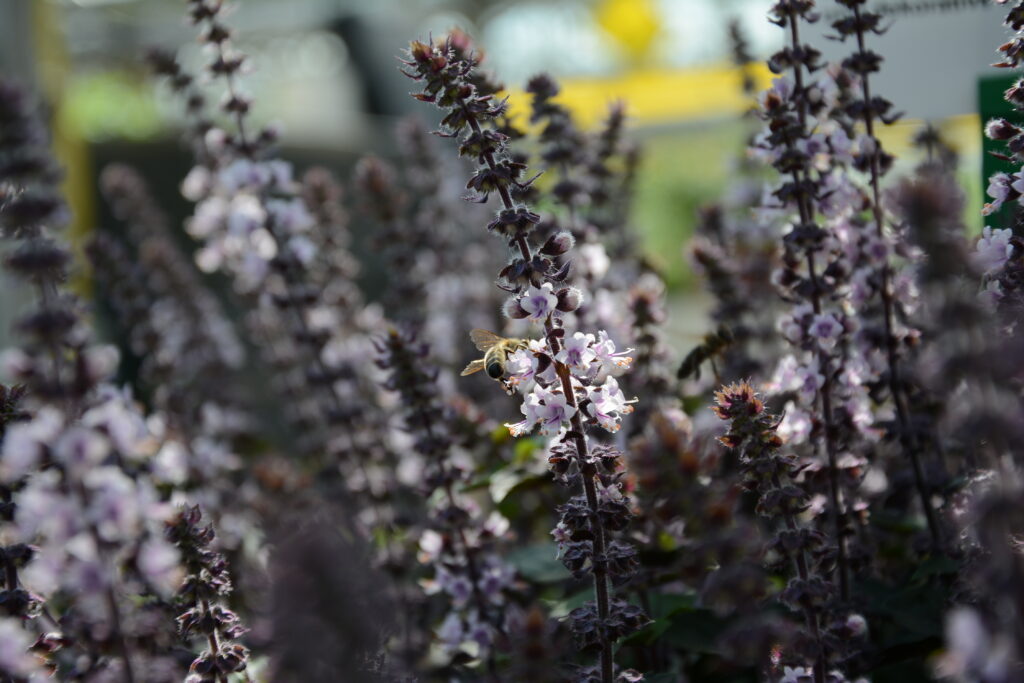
x=214, y=645
x=120, y=640
x=806, y=217
x=48, y=295
x=803, y=571
x=908, y=437
x=601, y=591
x=471, y=568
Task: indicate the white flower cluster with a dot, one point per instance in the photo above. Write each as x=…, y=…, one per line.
x=245, y=214
x=593, y=363
x=89, y=506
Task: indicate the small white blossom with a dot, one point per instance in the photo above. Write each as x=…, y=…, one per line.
x=546, y=408
x=245, y=215
x=577, y=352
x=539, y=302
x=80, y=449
x=608, y=404
x=15, y=658
x=796, y=424
x=290, y=216
x=798, y=674
x=993, y=249
x=610, y=359
x=196, y=184
x=594, y=260
x=159, y=562
x=999, y=190
x=826, y=329
x=23, y=445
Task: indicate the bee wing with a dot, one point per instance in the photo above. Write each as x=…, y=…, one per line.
x=484, y=339
x=475, y=366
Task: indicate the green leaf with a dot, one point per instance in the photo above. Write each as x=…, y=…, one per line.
x=538, y=563
x=526, y=450
x=935, y=566
x=558, y=609
x=694, y=404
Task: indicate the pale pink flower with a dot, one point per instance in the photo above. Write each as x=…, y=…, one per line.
x=608, y=404
x=826, y=329
x=576, y=351
x=539, y=302
x=993, y=249
x=605, y=354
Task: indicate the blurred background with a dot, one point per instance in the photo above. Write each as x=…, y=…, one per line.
x=326, y=72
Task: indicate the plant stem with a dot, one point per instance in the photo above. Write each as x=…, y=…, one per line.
x=806, y=217
x=601, y=591
x=803, y=571
x=908, y=437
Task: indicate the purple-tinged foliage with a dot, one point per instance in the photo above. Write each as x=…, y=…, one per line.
x=203, y=592
x=568, y=380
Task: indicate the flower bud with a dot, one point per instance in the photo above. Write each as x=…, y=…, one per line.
x=856, y=625
x=513, y=309
x=558, y=244
x=419, y=51
x=569, y=299
x=1001, y=129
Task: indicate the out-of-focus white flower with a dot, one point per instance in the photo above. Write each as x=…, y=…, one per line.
x=15, y=658
x=290, y=216
x=456, y=585
x=24, y=443
x=796, y=674
x=826, y=329
x=796, y=424
x=113, y=504
x=81, y=449
x=594, y=260
x=785, y=376
x=992, y=294
x=196, y=184
x=431, y=544
x=792, y=326
x=243, y=174
x=841, y=145
x=303, y=249
x=118, y=418
x=972, y=653
x=100, y=361
x=158, y=561
x=808, y=381
x=280, y=173
x=999, y=190
x=245, y=215
x=993, y=249
x=208, y=217
x=450, y=633
x=170, y=464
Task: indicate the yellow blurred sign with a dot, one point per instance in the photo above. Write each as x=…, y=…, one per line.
x=634, y=24
x=655, y=95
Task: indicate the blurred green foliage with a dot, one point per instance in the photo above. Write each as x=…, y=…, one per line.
x=111, y=104
x=682, y=170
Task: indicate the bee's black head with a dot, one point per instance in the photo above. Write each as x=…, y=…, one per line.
x=495, y=370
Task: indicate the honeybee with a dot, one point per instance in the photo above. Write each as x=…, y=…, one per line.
x=714, y=344
x=496, y=351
